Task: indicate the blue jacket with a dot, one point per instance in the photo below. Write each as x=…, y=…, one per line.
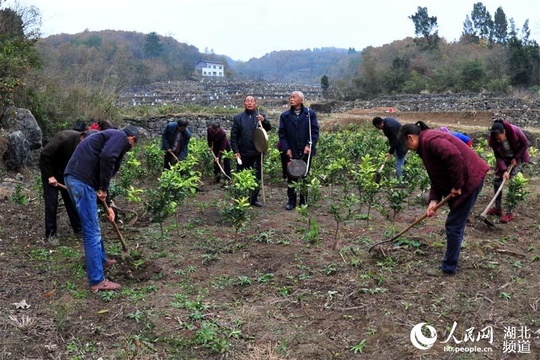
x=461, y=137
x=244, y=124
x=98, y=157
x=294, y=131
x=168, y=137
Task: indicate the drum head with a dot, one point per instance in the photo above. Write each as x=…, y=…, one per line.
x=296, y=168
x=260, y=139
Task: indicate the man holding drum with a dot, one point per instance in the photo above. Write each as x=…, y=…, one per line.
x=298, y=135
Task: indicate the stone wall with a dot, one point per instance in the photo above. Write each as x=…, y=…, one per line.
x=216, y=93
x=519, y=111
x=153, y=126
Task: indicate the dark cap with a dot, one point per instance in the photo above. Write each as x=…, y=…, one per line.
x=215, y=125
x=131, y=130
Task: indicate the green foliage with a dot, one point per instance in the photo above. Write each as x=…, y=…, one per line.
x=310, y=187
x=18, y=196
x=153, y=47
x=18, y=53
x=396, y=196
x=198, y=148
x=425, y=26
x=244, y=182
x=517, y=191
x=342, y=208
x=325, y=84
x=472, y=76
x=152, y=155
x=174, y=186
x=358, y=348
x=364, y=179
x=237, y=212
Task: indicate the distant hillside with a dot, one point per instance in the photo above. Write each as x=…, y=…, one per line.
x=134, y=58
x=302, y=66
x=137, y=59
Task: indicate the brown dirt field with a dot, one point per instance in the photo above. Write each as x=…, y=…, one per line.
x=199, y=294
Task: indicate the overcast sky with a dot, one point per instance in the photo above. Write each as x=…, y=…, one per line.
x=245, y=29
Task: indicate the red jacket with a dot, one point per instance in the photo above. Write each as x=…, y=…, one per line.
x=450, y=163
x=518, y=143
x=217, y=141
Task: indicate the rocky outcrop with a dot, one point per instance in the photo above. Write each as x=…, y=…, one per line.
x=21, y=135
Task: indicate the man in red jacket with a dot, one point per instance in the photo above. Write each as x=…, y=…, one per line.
x=454, y=169
x=218, y=143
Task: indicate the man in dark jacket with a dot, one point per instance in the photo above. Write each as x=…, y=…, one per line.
x=511, y=147
x=52, y=163
x=298, y=135
x=175, y=140
x=243, y=146
x=218, y=143
x=454, y=169
x=391, y=128
x=87, y=176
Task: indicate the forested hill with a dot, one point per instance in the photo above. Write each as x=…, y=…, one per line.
x=141, y=59
x=304, y=66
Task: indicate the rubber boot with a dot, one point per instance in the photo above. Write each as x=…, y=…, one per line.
x=253, y=200
x=291, y=204
x=303, y=200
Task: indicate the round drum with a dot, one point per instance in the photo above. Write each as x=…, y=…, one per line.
x=296, y=168
x=260, y=139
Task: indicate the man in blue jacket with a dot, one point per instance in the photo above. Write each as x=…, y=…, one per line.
x=175, y=141
x=87, y=177
x=242, y=144
x=298, y=135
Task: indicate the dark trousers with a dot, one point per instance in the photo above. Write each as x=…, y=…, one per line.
x=50, y=196
x=455, y=227
x=252, y=162
x=226, y=167
x=284, y=162
x=168, y=161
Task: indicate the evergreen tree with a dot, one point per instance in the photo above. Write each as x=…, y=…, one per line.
x=469, y=34
x=481, y=19
x=325, y=85
x=426, y=27
x=153, y=47
x=500, y=27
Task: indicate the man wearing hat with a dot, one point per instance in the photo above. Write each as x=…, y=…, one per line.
x=175, y=141
x=87, y=177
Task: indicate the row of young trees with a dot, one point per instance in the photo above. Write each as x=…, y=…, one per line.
x=341, y=182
